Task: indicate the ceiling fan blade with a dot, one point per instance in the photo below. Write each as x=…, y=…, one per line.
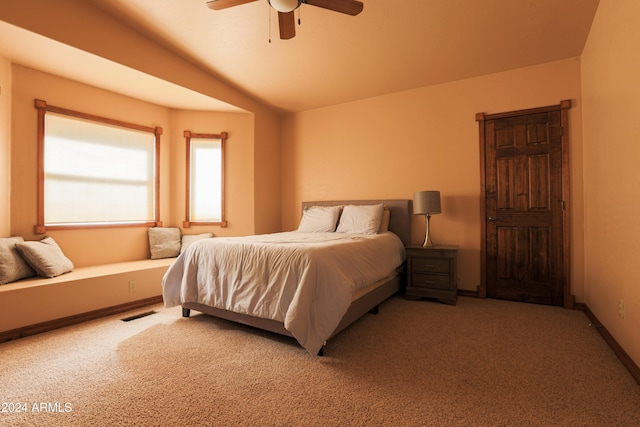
x=223, y=4
x=287, y=23
x=350, y=7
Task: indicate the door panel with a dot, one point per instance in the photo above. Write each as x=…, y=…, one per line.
x=539, y=172
x=523, y=206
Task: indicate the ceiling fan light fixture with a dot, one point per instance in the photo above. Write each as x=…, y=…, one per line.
x=284, y=6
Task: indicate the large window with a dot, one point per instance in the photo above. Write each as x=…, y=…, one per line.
x=94, y=171
x=205, y=179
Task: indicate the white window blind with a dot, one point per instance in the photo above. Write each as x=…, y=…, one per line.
x=96, y=173
x=206, y=180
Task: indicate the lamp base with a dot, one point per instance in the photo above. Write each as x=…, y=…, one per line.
x=428, y=243
x=427, y=239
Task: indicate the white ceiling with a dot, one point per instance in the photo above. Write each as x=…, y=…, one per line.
x=391, y=46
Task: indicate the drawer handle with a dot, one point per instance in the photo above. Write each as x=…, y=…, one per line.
x=429, y=265
x=429, y=282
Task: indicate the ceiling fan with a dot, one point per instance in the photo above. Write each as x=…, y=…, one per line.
x=285, y=9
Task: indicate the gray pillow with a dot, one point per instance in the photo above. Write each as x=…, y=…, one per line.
x=45, y=257
x=12, y=266
x=164, y=242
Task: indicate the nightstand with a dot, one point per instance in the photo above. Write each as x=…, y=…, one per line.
x=432, y=273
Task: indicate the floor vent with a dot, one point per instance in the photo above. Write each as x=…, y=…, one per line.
x=138, y=316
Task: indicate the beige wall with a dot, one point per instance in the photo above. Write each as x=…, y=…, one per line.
x=611, y=94
x=91, y=247
x=424, y=139
x=83, y=247
x=80, y=24
x=5, y=145
x=267, y=178
x=239, y=163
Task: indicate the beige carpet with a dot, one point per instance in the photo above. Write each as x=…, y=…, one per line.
x=417, y=363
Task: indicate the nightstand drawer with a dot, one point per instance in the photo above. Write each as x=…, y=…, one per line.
x=430, y=265
x=431, y=281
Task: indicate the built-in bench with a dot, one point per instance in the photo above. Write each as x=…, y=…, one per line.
x=38, y=304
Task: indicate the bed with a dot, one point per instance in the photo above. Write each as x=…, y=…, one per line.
x=308, y=284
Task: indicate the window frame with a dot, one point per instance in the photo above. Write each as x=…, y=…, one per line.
x=41, y=227
x=222, y=136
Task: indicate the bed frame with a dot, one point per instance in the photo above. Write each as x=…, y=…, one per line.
x=399, y=223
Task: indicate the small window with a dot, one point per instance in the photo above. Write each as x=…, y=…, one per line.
x=205, y=179
x=94, y=171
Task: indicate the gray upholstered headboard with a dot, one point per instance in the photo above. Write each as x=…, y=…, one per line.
x=399, y=209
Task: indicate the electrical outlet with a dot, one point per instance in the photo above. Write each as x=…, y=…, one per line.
x=621, y=308
x=132, y=285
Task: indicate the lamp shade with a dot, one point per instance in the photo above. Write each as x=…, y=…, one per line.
x=284, y=6
x=426, y=203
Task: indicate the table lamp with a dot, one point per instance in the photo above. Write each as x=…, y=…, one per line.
x=426, y=203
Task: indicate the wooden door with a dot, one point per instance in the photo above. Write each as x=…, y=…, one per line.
x=525, y=181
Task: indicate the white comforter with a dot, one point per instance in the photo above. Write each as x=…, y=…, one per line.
x=305, y=280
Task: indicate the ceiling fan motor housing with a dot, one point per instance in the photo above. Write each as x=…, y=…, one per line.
x=285, y=6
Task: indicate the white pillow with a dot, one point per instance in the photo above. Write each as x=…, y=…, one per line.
x=45, y=257
x=164, y=242
x=319, y=219
x=362, y=219
x=188, y=239
x=12, y=266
